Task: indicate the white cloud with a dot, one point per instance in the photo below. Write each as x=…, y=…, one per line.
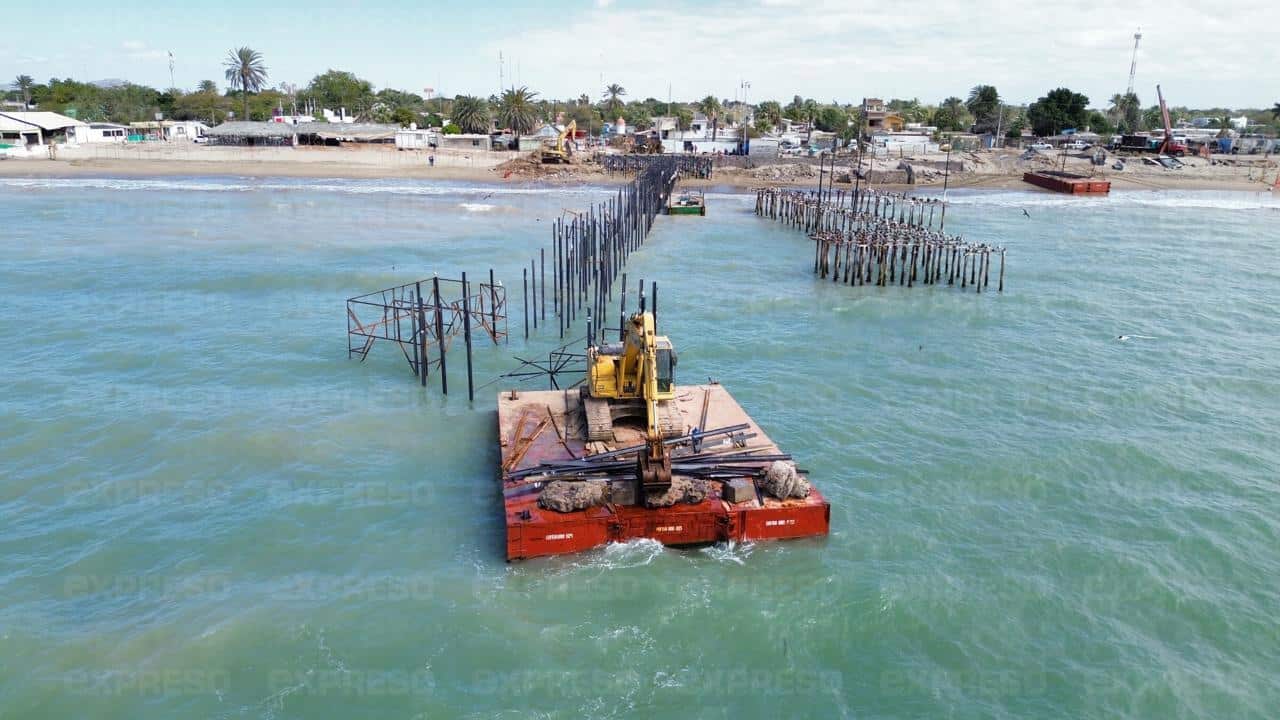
x=831, y=49
x=603, y=3
x=138, y=50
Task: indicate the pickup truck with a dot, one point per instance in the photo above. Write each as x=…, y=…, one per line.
x=1040, y=146
x=1075, y=145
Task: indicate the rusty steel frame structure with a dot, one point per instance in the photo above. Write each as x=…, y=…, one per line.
x=423, y=317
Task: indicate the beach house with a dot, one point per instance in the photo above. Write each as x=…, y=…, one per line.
x=38, y=128
x=101, y=132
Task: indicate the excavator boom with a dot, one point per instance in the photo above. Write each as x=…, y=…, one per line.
x=636, y=374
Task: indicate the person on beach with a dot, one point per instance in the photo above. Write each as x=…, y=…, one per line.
x=431, y=160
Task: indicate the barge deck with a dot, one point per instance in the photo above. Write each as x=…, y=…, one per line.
x=537, y=427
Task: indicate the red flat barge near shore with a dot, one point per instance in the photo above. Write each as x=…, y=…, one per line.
x=546, y=426
x=1067, y=182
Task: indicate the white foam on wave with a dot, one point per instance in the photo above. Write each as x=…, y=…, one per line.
x=477, y=207
x=1197, y=199
x=730, y=552
x=332, y=185
x=633, y=553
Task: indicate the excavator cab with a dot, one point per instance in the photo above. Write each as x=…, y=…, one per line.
x=666, y=362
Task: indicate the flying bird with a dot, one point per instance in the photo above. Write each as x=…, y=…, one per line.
x=1024, y=212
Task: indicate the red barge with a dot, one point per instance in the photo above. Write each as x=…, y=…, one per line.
x=546, y=428
x=1067, y=182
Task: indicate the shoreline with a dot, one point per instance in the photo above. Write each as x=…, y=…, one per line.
x=728, y=179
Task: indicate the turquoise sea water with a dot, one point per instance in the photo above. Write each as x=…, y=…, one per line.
x=208, y=511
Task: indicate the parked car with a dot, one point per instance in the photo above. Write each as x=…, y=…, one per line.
x=1040, y=146
x=1075, y=145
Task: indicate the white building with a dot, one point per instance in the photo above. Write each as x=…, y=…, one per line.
x=102, y=133
x=38, y=128
x=171, y=130
x=417, y=139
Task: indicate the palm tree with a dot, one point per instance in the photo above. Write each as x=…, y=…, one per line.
x=516, y=110
x=769, y=112
x=1127, y=110
x=1275, y=112
x=207, y=86
x=471, y=114
x=1224, y=126
x=246, y=73
x=24, y=83
x=809, y=109
x=613, y=99
x=984, y=104
x=710, y=107
x=684, y=119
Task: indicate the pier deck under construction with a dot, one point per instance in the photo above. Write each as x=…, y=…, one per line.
x=547, y=426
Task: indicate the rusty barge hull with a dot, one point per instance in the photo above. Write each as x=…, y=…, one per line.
x=547, y=426
x=1066, y=182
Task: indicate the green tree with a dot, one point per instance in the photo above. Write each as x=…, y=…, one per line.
x=1016, y=126
x=909, y=110
x=338, y=89
x=809, y=111
x=205, y=104
x=1059, y=109
x=1126, y=111
x=831, y=119
x=637, y=115
x=955, y=110
x=23, y=84
x=768, y=115
x=471, y=114
x=984, y=105
x=1275, y=111
x=1099, y=123
x=404, y=116
x=711, y=107
x=245, y=72
x=1152, y=118
x=451, y=129
x=516, y=110
x=613, y=100
x=684, y=120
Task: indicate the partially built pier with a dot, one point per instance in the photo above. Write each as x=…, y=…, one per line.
x=869, y=237
x=587, y=254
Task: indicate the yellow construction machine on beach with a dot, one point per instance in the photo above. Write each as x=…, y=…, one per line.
x=635, y=378
x=562, y=149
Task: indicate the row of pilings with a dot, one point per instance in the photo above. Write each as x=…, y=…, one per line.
x=882, y=238
x=589, y=249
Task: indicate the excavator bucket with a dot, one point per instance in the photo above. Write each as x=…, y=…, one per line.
x=654, y=469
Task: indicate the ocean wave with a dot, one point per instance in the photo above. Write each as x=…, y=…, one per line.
x=1198, y=199
x=331, y=185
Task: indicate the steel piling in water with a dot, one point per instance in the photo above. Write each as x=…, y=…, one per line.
x=881, y=234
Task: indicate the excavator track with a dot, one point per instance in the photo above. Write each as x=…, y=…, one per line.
x=669, y=420
x=599, y=418
x=601, y=413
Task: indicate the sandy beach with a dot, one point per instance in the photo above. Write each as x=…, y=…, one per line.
x=984, y=169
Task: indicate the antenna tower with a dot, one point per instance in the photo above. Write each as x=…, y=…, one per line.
x=1133, y=64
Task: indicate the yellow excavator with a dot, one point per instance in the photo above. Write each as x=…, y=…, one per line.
x=562, y=149
x=635, y=378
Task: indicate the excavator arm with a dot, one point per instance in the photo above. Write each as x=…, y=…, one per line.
x=654, y=466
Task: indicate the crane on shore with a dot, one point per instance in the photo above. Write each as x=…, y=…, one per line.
x=1133, y=64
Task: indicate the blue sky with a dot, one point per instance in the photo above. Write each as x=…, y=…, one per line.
x=1202, y=54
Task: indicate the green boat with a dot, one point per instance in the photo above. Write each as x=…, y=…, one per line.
x=687, y=203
